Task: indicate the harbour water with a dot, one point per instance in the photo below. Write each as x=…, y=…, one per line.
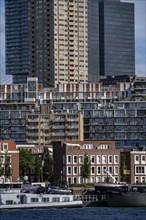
x=99, y=213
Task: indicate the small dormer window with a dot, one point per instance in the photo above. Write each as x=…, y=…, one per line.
x=5, y=147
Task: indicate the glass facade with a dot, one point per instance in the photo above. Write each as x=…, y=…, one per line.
x=111, y=39
x=16, y=15
x=117, y=54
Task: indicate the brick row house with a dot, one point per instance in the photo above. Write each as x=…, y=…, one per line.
x=8, y=149
x=69, y=158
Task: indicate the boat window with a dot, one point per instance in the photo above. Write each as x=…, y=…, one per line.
x=34, y=199
x=55, y=199
x=65, y=199
x=9, y=202
x=45, y=199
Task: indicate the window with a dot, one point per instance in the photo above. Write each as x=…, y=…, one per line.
x=110, y=158
x=116, y=170
x=92, y=159
x=75, y=170
x=136, y=179
x=75, y=159
x=68, y=170
x=136, y=159
x=81, y=159
x=98, y=159
x=139, y=170
x=68, y=159
x=65, y=199
x=34, y=199
x=55, y=199
x=5, y=147
x=104, y=159
x=143, y=159
x=9, y=202
x=45, y=199
x=143, y=179
x=92, y=170
x=2, y=159
x=110, y=169
x=103, y=170
x=98, y=170
x=116, y=159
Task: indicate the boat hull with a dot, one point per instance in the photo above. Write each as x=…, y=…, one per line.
x=129, y=199
x=47, y=205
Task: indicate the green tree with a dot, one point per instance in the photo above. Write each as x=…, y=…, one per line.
x=38, y=171
x=47, y=166
x=26, y=163
x=85, y=169
x=7, y=168
x=2, y=170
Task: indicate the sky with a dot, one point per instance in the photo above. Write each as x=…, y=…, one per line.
x=140, y=35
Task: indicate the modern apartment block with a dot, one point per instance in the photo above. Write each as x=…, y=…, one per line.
x=44, y=129
x=111, y=110
x=69, y=159
x=69, y=41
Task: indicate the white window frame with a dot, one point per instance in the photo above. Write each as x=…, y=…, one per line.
x=104, y=159
x=92, y=157
x=135, y=159
x=93, y=173
x=143, y=179
x=98, y=159
x=69, y=173
x=75, y=156
x=110, y=167
x=75, y=168
x=99, y=170
x=116, y=161
x=143, y=157
x=104, y=168
x=116, y=168
x=110, y=156
x=81, y=159
x=68, y=159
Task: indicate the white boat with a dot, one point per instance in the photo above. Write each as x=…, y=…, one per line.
x=59, y=190
x=11, y=200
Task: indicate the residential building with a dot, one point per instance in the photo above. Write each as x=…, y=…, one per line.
x=8, y=152
x=69, y=41
x=44, y=129
x=69, y=158
x=138, y=166
x=111, y=110
x=48, y=40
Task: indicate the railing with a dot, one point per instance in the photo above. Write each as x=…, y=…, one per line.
x=89, y=198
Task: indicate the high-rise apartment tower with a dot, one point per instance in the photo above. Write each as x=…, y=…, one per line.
x=47, y=39
x=61, y=41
